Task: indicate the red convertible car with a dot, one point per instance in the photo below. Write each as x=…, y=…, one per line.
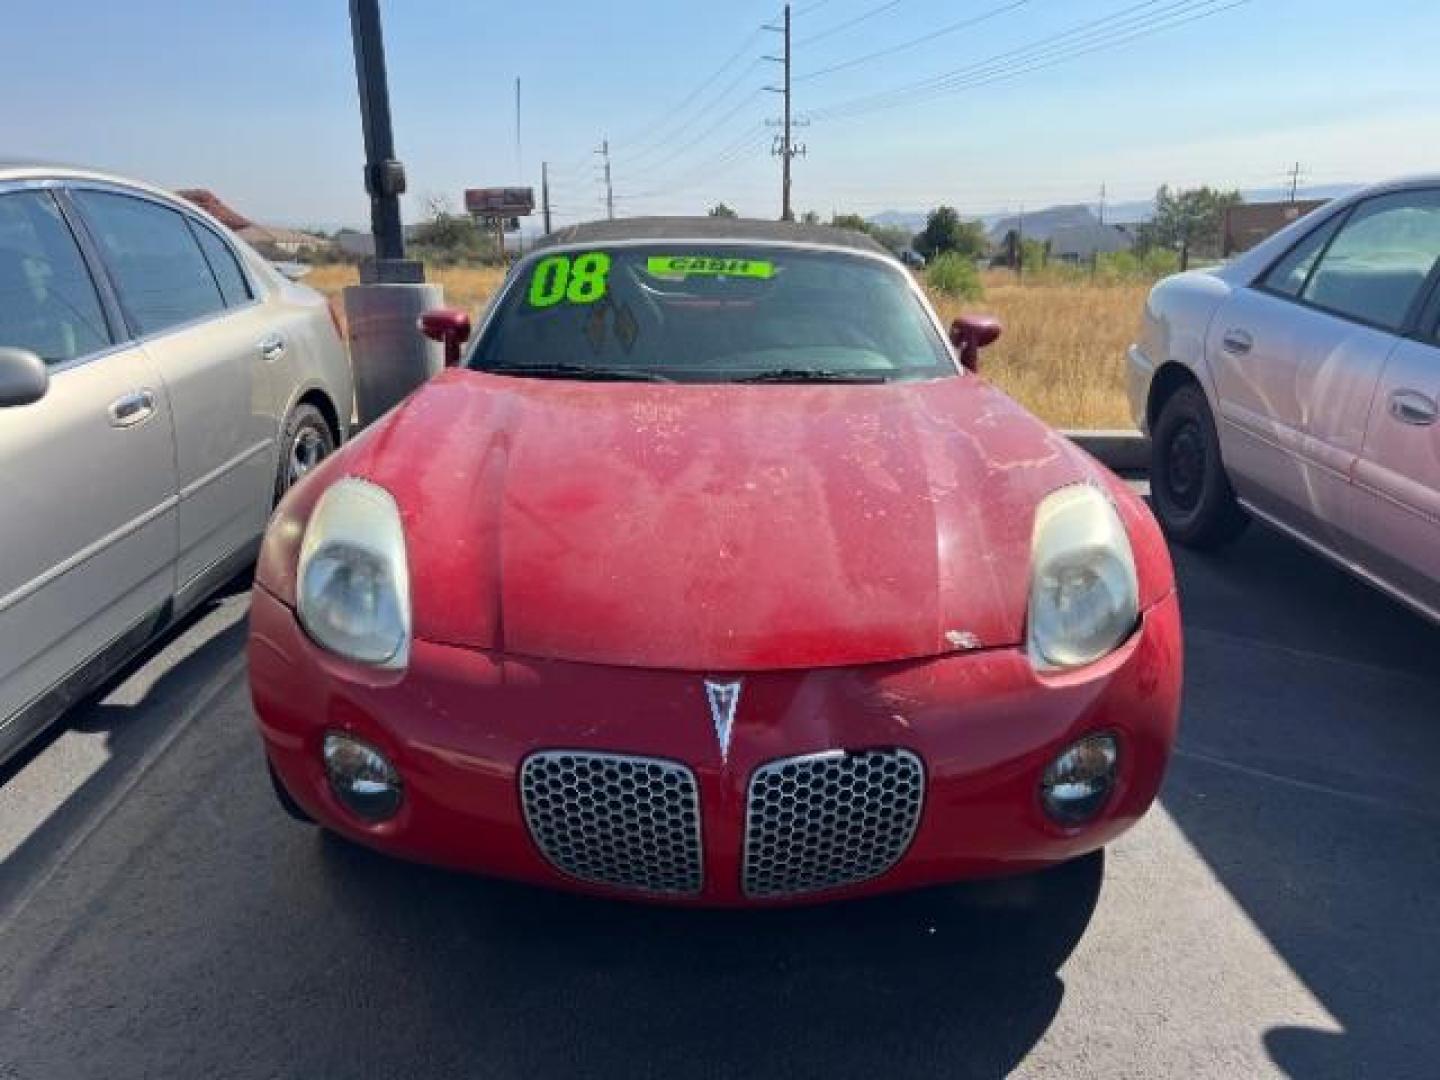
x=713, y=574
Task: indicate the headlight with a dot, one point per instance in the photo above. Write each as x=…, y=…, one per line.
x=353, y=583
x=1083, y=593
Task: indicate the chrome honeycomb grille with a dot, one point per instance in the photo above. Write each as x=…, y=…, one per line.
x=827, y=820
x=632, y=822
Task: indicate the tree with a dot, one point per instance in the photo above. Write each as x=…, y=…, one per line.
x=720, y=210
x=1190, y=222
x=954, y=276
x=810, y=217
x=1035, y=253
x=946, y=231
x=447, y=237
x=850, y=221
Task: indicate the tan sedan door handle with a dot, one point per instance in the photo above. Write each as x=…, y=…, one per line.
x=134, y=408
x=272, y=348
x=1413, y=407
x=1237, y=342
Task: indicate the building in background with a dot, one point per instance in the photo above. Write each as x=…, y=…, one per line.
x=276, y=243
x=1249, y=223
x=354, y=244
x=272, y=242
x=212, y=205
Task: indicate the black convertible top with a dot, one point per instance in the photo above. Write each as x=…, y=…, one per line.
x=709, y=228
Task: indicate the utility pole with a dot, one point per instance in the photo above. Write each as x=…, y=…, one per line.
x=1294, y=181
x=785, y=148
x=604, y=152
x=519, y=158
x=1020, y=245
x=1102, y=204
x=545, y=193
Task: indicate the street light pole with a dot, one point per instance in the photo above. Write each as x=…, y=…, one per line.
x=384, y=174
x=388, y=356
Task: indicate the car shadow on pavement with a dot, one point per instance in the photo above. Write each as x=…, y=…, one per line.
x=135, y=716
x=957, y=981
x=1305, y=777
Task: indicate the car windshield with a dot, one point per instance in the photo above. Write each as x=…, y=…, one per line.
x=712, y=313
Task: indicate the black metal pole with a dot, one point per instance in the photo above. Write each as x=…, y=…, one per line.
x=384, y=175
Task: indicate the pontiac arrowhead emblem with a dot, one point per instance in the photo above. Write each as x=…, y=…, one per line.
x=724, y=699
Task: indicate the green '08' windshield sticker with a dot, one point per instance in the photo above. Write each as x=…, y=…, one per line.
x=681, y=266
x=581, y=280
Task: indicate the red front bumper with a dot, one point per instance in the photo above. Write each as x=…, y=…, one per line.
x=459, y=723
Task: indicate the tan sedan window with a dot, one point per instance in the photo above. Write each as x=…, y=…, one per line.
x=48, y=303
x=161, y=276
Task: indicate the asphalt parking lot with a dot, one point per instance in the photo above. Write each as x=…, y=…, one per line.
x=1274, y=915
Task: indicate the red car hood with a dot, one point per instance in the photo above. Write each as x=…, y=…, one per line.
x=716, y=528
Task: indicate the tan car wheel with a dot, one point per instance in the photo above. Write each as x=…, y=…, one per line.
x=305, y=442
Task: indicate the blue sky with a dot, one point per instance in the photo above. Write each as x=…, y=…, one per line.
x=256, y=99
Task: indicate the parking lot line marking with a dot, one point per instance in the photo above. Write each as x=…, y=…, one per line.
x=1304, y=785
x=1304, y=654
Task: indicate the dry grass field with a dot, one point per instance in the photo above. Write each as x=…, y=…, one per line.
x=1062, y=354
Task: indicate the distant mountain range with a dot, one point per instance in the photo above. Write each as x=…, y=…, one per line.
x=1120, y=213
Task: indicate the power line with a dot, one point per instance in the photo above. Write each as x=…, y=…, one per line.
x=752, y=139
x=703, y=135
x=848, y=23
x=672, y=123
x=1063, y=39
x=675, y=120
x=913, y=42
x=1045, y=52
x=706, y=177
x=1040, y=54
x=685, y=126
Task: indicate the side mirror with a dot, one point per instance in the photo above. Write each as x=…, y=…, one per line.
x=23, y=377
x=971, y=333
x=450, y=327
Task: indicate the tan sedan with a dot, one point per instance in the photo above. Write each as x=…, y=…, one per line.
x=1300, y=384
x=160, y=384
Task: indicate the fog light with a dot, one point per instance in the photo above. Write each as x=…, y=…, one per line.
x=362, y=777
x=1077, y=783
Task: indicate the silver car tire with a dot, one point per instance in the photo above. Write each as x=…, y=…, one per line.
x=305, y=441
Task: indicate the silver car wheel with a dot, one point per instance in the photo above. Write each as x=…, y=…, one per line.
x=306, y=452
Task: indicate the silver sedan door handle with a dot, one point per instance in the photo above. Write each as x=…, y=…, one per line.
x=1237, y=342
x=134, y=408
x=272, y=348
x=1413, y=407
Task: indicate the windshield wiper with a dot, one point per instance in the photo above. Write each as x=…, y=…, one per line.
x=577, y=371
x=801, y=375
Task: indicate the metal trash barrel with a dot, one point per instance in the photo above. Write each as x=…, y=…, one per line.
x=388, y=354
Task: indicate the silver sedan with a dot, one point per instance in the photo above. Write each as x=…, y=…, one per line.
x=1301, y=384
x=160, y=386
